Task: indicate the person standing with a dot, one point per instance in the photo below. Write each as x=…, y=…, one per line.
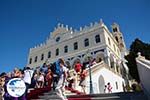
x=109, y=87
x=28, y=73
x=40, y=80
x=55, y=68
x=49, y=78
x=78, y=67
x=62, y=79
x=3, y=81
x=44, y=69
x=105, y=88
x=83, y=75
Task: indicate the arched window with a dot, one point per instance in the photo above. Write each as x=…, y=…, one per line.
x=86, y=42
x=115, y=30
x=49, y=54
x=65, y=49
x=97, y=38
x=112, y=61
x=57, y=52
x=57, y=39
x=75, y=45
x=35, y=60
x=30, y=61
x=117, y=39
x=42, y=56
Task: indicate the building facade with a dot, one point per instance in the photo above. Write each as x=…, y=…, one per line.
x=94, y=40
x=71, y=44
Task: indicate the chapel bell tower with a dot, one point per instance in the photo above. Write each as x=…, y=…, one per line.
x=118, y=36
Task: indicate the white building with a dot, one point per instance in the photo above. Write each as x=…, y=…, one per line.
x=95, y=41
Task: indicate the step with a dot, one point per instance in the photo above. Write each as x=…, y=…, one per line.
x=52, y=95
x=97, y=98
x=46, y=99
x=112, y=96
x=49, y=97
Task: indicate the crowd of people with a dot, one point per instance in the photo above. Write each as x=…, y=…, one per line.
x=56, y=75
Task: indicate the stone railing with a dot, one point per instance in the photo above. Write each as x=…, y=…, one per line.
x=99, y=65
x=143, y=66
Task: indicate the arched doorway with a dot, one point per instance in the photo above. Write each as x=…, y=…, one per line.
x=101, y=82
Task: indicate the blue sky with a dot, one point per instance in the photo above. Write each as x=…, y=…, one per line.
x=25, y=23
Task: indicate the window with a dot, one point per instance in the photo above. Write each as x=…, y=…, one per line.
x=75, y=45
x=86, y=42
x=35, y=60
x=117, y=67
x=97, y=39
x=116, y=85
x=57, y=39
x=109, y=41
x=49, y=54
x=112, y=64
x=117, y=39
x=30, y=61
x=57, y=52
x=121, y=38
x=65, y=49
x=114, y=29
x=42, y=57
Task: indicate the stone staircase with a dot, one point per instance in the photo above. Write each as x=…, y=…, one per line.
x=52, y=95
x=71, y=94
x=113, y=96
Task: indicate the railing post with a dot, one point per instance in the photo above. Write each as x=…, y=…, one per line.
x=91, y=85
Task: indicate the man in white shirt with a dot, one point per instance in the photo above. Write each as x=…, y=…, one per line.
x=28, y=73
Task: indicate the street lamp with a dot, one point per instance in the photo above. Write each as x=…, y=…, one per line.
x=90, y=76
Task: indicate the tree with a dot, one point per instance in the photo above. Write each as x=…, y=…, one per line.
x=137, y=46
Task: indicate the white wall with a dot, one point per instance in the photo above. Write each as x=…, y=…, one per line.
x=108, y=77
x=90, y=34
x=113, y=43
x=143, y=66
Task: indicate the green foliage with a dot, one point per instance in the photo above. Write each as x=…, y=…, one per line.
x=137, y=46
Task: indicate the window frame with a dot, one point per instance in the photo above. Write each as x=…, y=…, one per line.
x=49, y=54
x=35, y=59
x=42, y=56
x=75, y=45
x=109, y=41
x=86, y=42
x=57, y=52
x=30, y=61
x=97, y=38
x=65, y=49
